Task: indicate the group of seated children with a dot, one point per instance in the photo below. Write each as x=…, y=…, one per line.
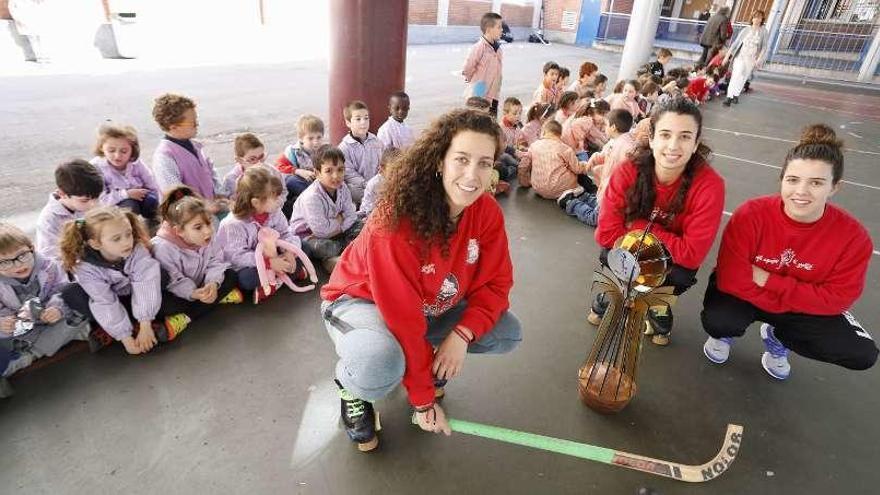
x=95, y=273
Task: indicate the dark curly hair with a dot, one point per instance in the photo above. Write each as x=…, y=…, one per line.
x=641, y=196
x=413, y=189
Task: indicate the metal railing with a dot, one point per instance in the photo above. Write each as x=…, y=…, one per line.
x=826, y=48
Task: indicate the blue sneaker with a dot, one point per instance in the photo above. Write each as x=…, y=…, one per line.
x=717, y=350
x=775, y=359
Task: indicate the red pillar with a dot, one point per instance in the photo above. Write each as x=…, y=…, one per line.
x=367, y=57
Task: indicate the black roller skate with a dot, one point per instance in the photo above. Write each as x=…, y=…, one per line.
x=361, y=422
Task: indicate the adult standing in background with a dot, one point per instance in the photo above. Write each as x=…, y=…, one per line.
x=715, y=32
x=748, y=54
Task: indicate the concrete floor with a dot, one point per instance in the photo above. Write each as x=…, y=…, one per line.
x=244, y=401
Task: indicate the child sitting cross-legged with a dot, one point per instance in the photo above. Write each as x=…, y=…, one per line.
x=551, y=167
x=584, y=205
x=128, y=183
x=257, y=205
x=33, y=318
x=118, y=281
x=192, y=260
x=324, y=215
x=374, y=186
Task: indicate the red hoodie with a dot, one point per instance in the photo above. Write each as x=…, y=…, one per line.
x=387, y=267
x=815, y=268
x=693, y=230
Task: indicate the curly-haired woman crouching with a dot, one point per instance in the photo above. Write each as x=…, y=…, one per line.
x=430, y=269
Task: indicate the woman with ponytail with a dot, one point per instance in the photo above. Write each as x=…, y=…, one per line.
x=797, y=263
x=668, y=179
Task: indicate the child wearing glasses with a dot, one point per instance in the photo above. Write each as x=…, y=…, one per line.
x=249, y=152
x=33, y=318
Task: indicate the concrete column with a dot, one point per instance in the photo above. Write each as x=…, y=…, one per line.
x=496, y=6
x=872, y=58
x=774, y=21
x=364, y=66
x=442, y=12
x=536, y=14
x=639, y=37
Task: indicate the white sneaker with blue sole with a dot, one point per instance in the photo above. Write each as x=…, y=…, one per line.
x=775, y=359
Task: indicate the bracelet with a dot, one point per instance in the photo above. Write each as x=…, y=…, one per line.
x=458, y=331
x=424, y=409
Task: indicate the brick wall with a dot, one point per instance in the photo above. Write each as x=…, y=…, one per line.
x=517, y=15
x=423, y=12
x=553, y=13
x=620, y=6
x=467, y=12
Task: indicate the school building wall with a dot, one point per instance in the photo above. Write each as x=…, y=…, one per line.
x=458, y=21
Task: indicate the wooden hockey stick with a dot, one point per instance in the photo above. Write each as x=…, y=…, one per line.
x=682, y=472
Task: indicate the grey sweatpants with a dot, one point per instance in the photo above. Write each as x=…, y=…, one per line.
x=43, y=340
x=371, y=362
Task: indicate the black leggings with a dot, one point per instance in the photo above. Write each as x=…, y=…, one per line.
x=838, y=339
x=679, y=277
x=77, y=299
x=172, y=304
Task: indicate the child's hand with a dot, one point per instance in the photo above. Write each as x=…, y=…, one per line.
x=138, y=194
x=433, y=420
x=210, y=293
x=146, y=338
x=305, y=174
x=7, y=324
x=290, y=258
x=50, y=315
x=131, y=345
x=280, y=264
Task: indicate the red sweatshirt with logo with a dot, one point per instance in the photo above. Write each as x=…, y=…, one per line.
x=689, y=235
x=389, y=268
x=815, y=268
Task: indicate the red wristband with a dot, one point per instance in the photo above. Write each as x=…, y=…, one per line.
x=458, y=331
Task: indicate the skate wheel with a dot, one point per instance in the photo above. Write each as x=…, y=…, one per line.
x=368, y=446
x=594, y=319
x=661, y=340
x=378, y=423
x=649, y=330
x=439, y=393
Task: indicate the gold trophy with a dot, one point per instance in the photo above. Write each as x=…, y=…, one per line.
x=638, y=264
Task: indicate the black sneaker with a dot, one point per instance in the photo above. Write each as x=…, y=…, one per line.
x=659, y=324
x=727, y=101
x=746, y=87
x=361, y=422
x=598, y=308
x=568, y=195
x=735, y=99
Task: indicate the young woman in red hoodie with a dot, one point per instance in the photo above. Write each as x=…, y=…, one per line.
x=669, y=179
x=797, y=263
x=426, y=281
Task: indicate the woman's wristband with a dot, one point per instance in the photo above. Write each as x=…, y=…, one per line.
x=464, y=336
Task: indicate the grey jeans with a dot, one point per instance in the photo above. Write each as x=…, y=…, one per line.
x=371, y=362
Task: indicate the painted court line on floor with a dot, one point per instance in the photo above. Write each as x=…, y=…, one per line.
x=816, y=107
x=777, y=167
x=773, y=138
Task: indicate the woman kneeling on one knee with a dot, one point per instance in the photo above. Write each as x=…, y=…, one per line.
x=426, y=281
x=796, y=263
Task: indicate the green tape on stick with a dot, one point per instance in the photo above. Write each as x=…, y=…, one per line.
x=551, y=444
